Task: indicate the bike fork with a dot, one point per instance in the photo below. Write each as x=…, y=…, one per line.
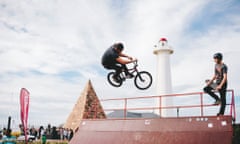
x=140, y=77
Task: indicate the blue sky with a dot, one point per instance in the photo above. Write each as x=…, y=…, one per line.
x=214, y=14
x=53, y=48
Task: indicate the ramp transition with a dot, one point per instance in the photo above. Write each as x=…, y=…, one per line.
x=186, y=130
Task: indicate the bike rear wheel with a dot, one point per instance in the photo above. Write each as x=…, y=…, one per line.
x=143, y=80
x=112, y=81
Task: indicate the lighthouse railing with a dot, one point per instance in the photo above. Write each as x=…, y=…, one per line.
x=202, y=103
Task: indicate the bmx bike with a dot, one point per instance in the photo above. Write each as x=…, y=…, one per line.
x=142, y=79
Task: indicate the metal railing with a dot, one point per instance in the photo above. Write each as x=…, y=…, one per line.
x=201, y=104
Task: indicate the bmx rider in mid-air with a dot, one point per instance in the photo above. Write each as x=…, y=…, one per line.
x=113, y=58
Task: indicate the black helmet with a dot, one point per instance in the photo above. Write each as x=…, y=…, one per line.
x=119, y=46
x=218, y=56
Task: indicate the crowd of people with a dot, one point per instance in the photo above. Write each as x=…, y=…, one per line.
x=49, y=132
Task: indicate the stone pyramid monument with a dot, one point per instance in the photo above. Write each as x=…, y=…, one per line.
x=87, y=106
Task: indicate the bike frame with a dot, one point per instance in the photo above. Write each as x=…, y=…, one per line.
x=130, y=70
x=134, y=69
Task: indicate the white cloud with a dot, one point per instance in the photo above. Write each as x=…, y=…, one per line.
x=40, y=40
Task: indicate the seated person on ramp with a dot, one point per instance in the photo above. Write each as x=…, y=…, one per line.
x=220, y=85
x=113, y=58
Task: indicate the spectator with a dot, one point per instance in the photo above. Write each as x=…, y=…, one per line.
x=44, y=139
x=71, y=134
x=54, y=134
x=65, y=133
x=40, y=132
x=61, y=133
x=48, y=130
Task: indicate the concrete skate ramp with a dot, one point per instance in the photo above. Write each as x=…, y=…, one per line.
x=187, y=130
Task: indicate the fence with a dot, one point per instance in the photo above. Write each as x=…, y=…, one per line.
x=200, y=101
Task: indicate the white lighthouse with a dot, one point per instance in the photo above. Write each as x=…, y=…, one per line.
x=164, y=81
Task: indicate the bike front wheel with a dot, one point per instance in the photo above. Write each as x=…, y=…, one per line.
x=113, y=81
x=143, y=80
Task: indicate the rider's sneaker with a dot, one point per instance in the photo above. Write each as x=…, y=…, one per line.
x=129, y=75
x=116, y=79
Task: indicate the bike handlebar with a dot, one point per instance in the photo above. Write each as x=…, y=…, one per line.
x=135, y=62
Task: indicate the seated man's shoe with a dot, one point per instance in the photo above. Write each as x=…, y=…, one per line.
x=217, y=102
x=219, y=114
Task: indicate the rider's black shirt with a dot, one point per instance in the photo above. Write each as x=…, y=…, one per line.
x=109, y=57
